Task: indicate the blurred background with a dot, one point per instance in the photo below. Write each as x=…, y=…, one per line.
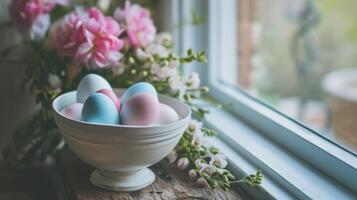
x=300, y=57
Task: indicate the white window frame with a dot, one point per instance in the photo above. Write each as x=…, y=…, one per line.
x=296, y=161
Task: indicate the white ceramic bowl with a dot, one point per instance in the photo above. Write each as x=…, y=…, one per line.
x=121, y=153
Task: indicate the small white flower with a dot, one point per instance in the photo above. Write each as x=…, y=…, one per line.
x=172, y=157
x=198, y=139
x=173, y=64
x=141, y=54
x=193, y=81
x=157, y=49
x=218, y=160
x=104, y=4
x=161, y=72
x=194, y=127
x=176, y=84
x=54, y=81
x=207, y=169
x=192, y=174
x=183, y=163
x=119, y=68
x=201, y=182
x=40, y=27
x=164, y=39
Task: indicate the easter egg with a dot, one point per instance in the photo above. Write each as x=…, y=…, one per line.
x=167, y=114
x=141, y=87
x=73, y=111
x=140, y=110
x=100, y=109
x=112, y=96
x=89, y=85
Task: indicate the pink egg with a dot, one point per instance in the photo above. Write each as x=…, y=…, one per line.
x=73, y=111
x=140, y=110
x=112, y=96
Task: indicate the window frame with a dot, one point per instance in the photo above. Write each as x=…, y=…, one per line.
x=339, y=164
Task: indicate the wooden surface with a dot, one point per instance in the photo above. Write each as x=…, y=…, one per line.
x=25, y=185
x=71, y=178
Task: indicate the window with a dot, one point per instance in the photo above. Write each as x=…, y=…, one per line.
x=300, y=58
x=252, y=70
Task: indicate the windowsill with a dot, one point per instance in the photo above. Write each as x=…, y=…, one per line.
x=286, y=175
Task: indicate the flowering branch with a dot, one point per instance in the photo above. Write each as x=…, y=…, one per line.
x=205, y=162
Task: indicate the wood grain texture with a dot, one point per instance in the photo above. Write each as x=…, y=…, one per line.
x=170, y=183
x=25, y=184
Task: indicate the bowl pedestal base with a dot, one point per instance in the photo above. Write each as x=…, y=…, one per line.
x=122, y=181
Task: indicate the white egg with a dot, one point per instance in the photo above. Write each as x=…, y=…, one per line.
x=89, y=85
x=73, y=111
x=167, y=114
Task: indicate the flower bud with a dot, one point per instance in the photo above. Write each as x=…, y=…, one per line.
x=172, y=157
x=231, y=177
x=192, y=174
x=183, y=163
x=131, y=60
x=198, y=163
x=144, y=73
x=165, y=63
x=204, y=89
x=201, y=182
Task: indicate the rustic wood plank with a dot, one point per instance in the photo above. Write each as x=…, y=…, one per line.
x=26, y=184
x=170, y=183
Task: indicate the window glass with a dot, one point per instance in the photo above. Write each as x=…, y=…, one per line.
x=300, y=57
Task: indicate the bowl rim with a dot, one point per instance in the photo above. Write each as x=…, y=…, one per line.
x=182, y=119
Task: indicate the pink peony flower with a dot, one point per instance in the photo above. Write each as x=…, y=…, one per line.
x=24, y=13
x=89, y=37
x=140, y=28
x=67, y=35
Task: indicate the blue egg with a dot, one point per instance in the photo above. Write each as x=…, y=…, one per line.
x=141, y=87
x=98, y=108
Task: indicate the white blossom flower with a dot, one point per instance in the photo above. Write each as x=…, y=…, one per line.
x=40, y=27
x=194, y=126
x=119, y=68
x=141, y=54
x=157, y=49
x=193, y=81
x=54, y=81
x=192, y=174
x=208, y=169
x=183, y=163
x=172, y=157
x=176, y=84
x=198, y=139
x=164, y=39
x=218, y=160
x=173, y=64
x=162, y=72
x=104, y=4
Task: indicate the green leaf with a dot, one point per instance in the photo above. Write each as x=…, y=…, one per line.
x=58, y=12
